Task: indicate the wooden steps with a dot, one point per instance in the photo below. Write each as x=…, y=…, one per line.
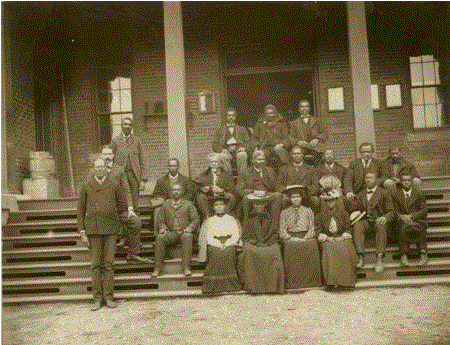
x=44, y=260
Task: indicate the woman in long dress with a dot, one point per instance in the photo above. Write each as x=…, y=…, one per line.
x=338, y=250
x=300, y=248
x=222, y=239
x=260, y=263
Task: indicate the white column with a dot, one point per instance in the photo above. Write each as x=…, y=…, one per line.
x=175, y=83
x=360, y=72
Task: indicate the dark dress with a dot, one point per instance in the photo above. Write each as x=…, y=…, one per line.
x=301, y=259
x=260, y=263
x=338, y=257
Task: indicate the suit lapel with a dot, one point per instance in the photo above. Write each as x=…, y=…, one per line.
x=375, y=197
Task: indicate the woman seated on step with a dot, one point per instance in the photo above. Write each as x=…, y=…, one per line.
x=219, y=240
x=339, y=256
x=300, y=247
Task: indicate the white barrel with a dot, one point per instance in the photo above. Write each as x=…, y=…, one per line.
x=42, y=164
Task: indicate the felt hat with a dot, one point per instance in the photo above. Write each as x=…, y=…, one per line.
x=294, y=188
x=258, y=196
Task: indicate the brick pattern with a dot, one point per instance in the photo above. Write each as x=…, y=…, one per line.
x=20, y=126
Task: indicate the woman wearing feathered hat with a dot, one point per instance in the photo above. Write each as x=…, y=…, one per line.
x=338, y=251
x=300, y=247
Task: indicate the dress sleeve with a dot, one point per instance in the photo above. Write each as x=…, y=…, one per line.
x=284, y=223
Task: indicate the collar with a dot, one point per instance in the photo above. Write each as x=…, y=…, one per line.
x=126, y=136
x=370, y=191
x=257, y=169
x=230, y=124
x=367, y=162
x=173, y=177
x=297, y=165
x=100, y=180
x=176, y=204
x=329, y=166
x=408, y=193
x=109, y=166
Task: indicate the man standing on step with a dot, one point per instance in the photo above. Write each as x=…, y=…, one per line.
x=376, y=203
x=176, y=222
x=411, y=214
x=101, y=202
x=131, y=223
x=127, y=149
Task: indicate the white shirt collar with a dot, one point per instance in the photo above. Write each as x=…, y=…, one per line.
x=330, y=166
x=173, y=177
x=407, y=193
x=100, y=180
x=372, y=189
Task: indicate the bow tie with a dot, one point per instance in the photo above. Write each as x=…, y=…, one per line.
x=370, y=191
x=230, y=126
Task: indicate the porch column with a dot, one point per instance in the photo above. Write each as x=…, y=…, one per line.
x=360, y=72
x=175, y=83
x=6, y=90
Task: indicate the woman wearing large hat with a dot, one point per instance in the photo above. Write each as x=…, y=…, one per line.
x=338, y=251
x=300, y=247
x=260, y=263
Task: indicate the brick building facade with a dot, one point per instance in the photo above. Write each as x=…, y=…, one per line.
x=207, y=67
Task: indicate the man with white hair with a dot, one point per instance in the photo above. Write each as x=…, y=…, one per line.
x=215, y=181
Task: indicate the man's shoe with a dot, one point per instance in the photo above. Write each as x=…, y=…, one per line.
x=404, y=260
x=96, y=305
x=137, y=258
x=423, y=259
x=379, y=267
x=360, y=262
x=187, y=272
x=156, y=273
x=111, y=304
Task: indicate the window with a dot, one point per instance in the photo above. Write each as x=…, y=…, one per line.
x=113, y=100
x=426, y=91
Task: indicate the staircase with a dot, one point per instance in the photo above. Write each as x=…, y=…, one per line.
x=43, y=258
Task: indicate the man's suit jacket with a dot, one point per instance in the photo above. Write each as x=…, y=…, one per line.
x=247, y=181
x=133, y=149
x=305, y=176
x=99, y=206
x=403, y=167
x=379, y=205
x=224, y=180
x=240, y=134
x=267, y=135
x=354, y=177
x=314, y=129
x=163, y=188
x=185, y=216
x=337, y=170
x=415, y=205
x=117, y=174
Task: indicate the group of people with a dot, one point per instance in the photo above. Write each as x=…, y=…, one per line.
x=273, y=210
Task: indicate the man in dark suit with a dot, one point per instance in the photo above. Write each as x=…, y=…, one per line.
x=376, y=202
x=411, y=213
x=358, y=168
x=176, y=223
x=215, y=182
x=128, y=153
x=297, y=172
x=394, y=166
x=330, y=167
x=163, y=186
x=271, y=135
x=131, y=223
x=232, y=142
x=101, y=202
x=308, y=132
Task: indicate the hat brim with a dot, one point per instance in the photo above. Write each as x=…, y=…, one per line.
x=357, y=218
x=295, y=188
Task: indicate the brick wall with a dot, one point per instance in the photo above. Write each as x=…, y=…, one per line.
x=18, y=108
x=203, y=72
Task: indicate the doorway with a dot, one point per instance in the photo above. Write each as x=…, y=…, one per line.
x=250, y=93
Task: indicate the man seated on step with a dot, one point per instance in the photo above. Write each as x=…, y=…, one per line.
x=232, y=142
x=330, y=167
x=131, y=224
x=394, y=166
x=411, y=214
x=176, y=222
x=163, y=186
x=373, y=210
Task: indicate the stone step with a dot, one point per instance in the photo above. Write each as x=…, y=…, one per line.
x=63, y=286
x=437, y=193
x=83, y=269
x=123, y=296
x=59, y=203
x=435, y=181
